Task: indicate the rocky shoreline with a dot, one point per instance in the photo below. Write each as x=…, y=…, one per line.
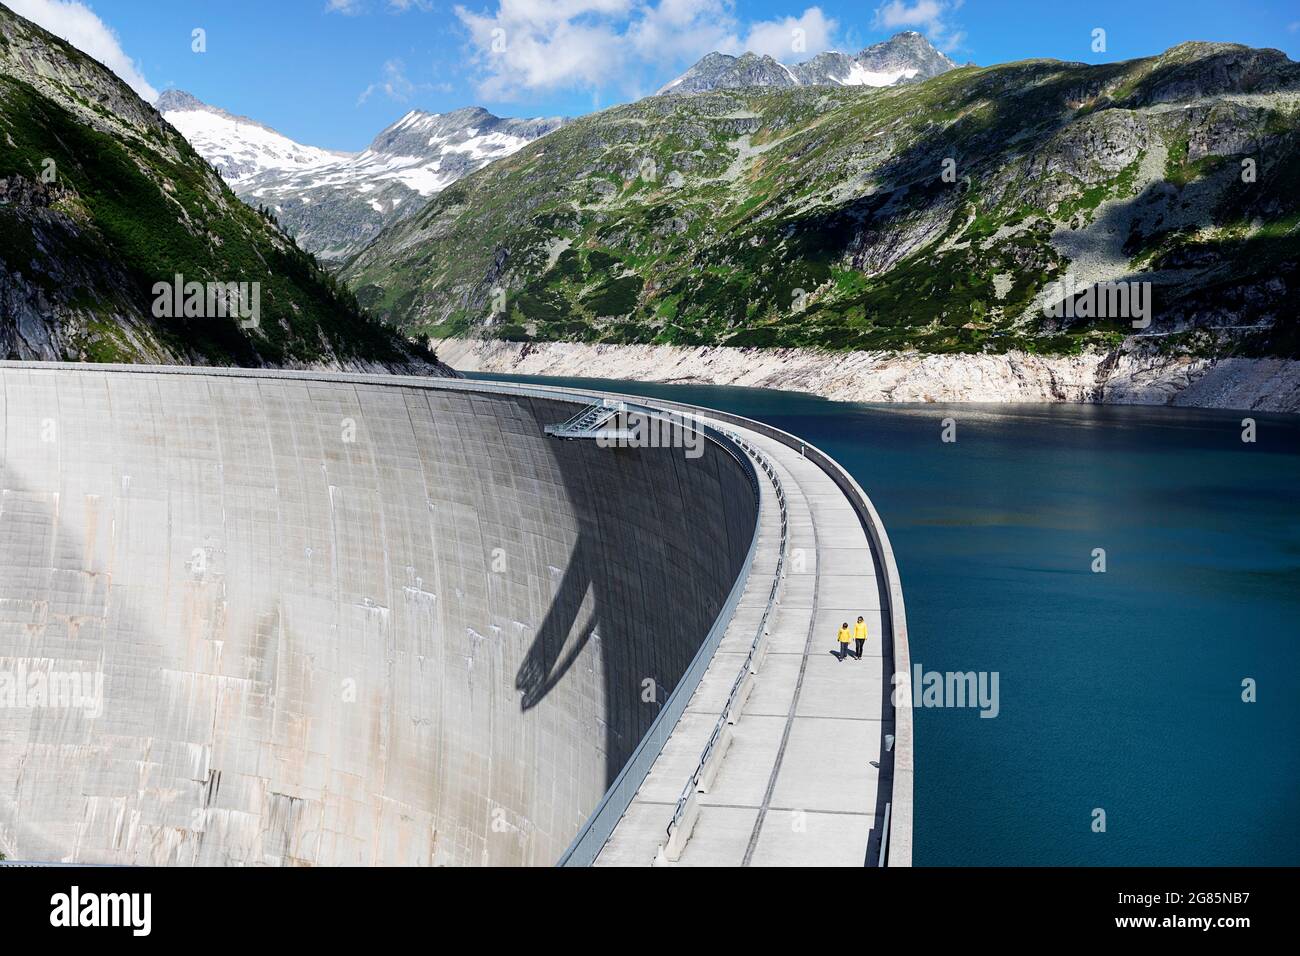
x=1115, y=377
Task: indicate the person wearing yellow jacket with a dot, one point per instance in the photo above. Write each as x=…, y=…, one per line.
x=843, y=638
x=860, y=635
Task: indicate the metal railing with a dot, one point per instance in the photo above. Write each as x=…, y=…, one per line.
x=884, y=837
x=748, y=667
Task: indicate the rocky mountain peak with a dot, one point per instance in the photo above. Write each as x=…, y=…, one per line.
x=904, y=58
x=334, y=208
x=179, y=100
x=909, y=50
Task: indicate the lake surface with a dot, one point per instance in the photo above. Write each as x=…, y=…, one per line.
x=1119, y=690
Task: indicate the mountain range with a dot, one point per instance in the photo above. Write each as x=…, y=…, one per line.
x=105, y=209
x=888, y=202
x=903, y=58
x=335, y=203
x=942, y=216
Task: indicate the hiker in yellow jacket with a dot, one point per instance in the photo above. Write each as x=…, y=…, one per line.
x=843, y=638
x=860, y=635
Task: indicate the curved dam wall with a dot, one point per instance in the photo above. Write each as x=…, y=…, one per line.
x=270, y=619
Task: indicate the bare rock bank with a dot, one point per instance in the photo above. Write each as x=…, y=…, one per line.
x=1113, y=377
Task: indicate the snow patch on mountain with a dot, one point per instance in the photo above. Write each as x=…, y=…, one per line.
x=335, y=203
x=858, y=75
x=237, y=147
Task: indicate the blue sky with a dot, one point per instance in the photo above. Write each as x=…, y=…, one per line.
x=333, y=73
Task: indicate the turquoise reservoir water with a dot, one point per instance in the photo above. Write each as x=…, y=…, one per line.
x=1120, y=691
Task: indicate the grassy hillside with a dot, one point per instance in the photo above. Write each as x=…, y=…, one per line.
x=822, y=216
x=100, y=199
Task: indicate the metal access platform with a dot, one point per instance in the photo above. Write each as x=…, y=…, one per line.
x=598, y=420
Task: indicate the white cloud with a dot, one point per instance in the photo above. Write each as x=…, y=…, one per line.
x=793, y=38
x=519, y=54
x=537, y=45
x=545, y=44
x=682, y=29
x=932, y=16
x=394, y=84
x=76, y=23
x=352, y=8
x=897, y=13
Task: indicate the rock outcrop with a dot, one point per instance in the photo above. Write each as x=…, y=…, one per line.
x=1110, y=377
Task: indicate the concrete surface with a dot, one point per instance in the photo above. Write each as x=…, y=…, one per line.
x=350, y=620
x=803, y=782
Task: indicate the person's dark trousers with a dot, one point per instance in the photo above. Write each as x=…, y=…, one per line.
x=859, y=641
x=844, y=650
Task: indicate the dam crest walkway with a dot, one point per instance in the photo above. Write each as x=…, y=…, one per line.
x=805, y=777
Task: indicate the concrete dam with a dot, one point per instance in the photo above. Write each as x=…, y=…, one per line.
x=275, y=618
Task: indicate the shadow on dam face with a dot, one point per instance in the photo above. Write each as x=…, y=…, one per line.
x=334, y=622
x=646, y=578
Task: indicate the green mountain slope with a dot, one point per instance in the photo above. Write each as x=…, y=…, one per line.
x=100, y=200
x=822, y=217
